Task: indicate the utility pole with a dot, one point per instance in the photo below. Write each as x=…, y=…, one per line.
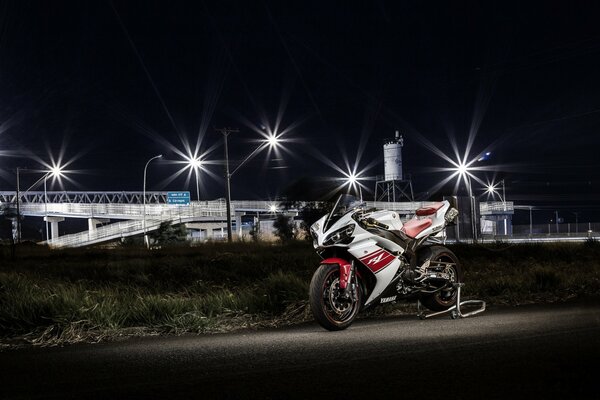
x=226, y=132
x=18, y=207
x=504, y=208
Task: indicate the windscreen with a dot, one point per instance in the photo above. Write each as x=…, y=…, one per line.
x=344, y=204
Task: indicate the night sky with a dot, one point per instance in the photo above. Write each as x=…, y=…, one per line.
x=110, y=84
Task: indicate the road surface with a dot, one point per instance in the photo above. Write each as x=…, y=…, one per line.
x=524, y=352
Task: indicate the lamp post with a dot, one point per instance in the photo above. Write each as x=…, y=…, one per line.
x=55, y=171
x=226, y=132
x=473, y=213
x=196, y=168
x=144, y=200
x=195, y=164
x=271, y=141
x=504, y=207
x=46, y=205
x=18, y=206
x=491, y=190
x=463, y=171
x=530, y=221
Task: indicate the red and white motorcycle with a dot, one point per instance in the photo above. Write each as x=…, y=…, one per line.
x=370, y=257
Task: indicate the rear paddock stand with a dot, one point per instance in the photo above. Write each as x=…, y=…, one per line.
x=454, y=311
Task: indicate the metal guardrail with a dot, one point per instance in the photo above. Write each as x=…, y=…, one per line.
x=552, y=229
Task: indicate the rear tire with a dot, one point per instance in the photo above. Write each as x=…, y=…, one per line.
x=445, y=298
x=332, y=311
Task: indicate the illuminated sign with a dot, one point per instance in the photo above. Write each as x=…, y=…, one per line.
x=178, y=198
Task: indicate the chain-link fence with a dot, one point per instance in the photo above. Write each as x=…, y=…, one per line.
x=582, y=230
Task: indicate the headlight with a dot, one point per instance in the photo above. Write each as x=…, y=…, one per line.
x=314, y=229
x=343, y=236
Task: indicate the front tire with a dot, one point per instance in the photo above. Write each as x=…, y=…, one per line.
x=331, y=310
x=449, y=263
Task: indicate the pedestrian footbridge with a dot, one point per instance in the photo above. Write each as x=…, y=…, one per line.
x=116, y=215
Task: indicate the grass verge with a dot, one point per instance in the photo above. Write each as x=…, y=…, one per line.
x=68, y=296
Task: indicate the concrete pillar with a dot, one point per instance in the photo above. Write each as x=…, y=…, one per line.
x=238, y=225
x=209, y=232
x=93, y=223
x=54, y=225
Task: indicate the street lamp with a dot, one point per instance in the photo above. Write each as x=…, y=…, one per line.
x=56, y=172
x=144, y=200
x=462, y=169
x=491, y=189
x=271, y=141
x=352, y=180
x=195, y=164
x=18, y=206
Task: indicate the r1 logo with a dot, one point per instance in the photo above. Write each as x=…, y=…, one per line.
x=378, y=260
x=375, y=260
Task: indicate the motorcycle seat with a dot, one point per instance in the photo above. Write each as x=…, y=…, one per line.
x=415, y=226
x=429, y=210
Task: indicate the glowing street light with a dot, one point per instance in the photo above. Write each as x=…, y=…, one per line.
x=195, y=164
x=55, y=171
x=463, y=171
x=352, y=180
x=271, y=141
x=144, y=200
x=491, y=190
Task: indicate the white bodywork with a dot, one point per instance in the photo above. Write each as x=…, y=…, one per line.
x=378, y=254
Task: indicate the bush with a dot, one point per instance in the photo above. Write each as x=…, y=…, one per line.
x=284, y=228
x=545, y=279
x=169, y=234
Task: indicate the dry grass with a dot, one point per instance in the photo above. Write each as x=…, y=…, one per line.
x=68, y=296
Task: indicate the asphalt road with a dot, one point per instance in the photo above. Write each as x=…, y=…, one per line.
x=525, y=352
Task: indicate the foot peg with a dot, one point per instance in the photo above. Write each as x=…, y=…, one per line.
x=455, y=311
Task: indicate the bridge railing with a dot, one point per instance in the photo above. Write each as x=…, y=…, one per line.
x=125, y=211
x=40, y=197
x=496, y=207
x=118, y=230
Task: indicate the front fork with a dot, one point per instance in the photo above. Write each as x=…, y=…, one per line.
x=348, y=277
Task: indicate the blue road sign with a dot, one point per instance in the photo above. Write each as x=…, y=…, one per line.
x=179, y=198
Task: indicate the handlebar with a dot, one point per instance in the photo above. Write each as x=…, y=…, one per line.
x=374, y=222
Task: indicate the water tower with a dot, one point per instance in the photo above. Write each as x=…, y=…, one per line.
x=392, y=186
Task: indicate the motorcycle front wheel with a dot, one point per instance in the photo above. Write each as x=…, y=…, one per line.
x=330, y=308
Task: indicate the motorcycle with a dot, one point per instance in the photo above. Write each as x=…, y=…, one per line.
x=370, y=257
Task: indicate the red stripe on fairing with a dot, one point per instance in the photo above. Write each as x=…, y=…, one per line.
x=377, y=260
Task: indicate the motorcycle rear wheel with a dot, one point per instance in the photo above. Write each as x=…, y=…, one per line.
x=331, y=310
x=446, y=298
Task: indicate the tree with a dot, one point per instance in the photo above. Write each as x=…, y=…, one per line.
x=311, y=213
x=167, y=233
x=284, y=228
x=8, y=221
